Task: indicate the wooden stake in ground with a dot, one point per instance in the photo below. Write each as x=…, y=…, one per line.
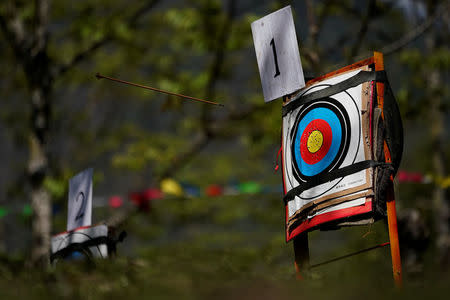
x=301, y=252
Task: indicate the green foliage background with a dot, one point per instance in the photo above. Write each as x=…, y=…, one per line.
x=230, y=246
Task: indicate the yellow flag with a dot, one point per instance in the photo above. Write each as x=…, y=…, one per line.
x=171, y=187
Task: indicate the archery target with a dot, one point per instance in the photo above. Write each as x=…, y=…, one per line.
x=81, y=235
x=321, y=136
x=318, y=137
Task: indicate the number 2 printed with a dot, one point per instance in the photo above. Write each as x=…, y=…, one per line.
x=277, y=70
x=80, y=213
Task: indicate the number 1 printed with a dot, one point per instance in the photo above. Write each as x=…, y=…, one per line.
x=277, y=70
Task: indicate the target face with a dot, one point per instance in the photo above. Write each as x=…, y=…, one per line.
x=320, y=138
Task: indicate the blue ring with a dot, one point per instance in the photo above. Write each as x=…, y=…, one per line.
x=330, y=117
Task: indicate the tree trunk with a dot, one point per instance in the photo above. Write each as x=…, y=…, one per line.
x=441, y=205
x=440, y=201
x=37, y=69
x=37, y=171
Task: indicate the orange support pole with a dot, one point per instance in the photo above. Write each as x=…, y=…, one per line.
x=391, y=211
x=393, y=237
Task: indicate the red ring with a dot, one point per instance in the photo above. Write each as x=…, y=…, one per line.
x=325, y=129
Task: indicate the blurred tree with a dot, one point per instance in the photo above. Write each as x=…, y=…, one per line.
x=30, y=46
x=425, y=97
x=56, y=44
x=437, y=62
x=27, y=27
x=202, y=48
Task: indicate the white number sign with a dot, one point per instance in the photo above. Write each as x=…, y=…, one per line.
x=79, y=211
x=277, y=54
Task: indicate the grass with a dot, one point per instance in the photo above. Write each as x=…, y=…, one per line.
x=176, y=253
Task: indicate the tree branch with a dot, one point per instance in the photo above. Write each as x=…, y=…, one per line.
x=132, y=21
x=418, y=31
x=214, y=129
x=313, y=33
x=219, y=58
x=206, y=134
x=184, y=157
x=312, y=22
x=14, y=30
x=83, y=55
x=215, y=70
x=363, y=29
x=40, y=26
x=315, y=22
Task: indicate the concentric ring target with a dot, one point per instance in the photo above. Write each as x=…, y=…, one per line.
x=320, y=138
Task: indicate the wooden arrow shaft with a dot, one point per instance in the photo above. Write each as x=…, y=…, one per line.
x=99, y=76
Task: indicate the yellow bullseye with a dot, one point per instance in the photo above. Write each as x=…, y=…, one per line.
x=315, y=141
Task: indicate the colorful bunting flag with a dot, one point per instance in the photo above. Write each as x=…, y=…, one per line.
x=171, y=187
x=115, y=201
x=3, y=212
x=143, y=198
x=27, y=211
x=250, y=187
x=214, y=190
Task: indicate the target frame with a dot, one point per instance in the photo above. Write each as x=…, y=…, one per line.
x=358, y=198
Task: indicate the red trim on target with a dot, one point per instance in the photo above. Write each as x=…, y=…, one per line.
x=327, y=217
